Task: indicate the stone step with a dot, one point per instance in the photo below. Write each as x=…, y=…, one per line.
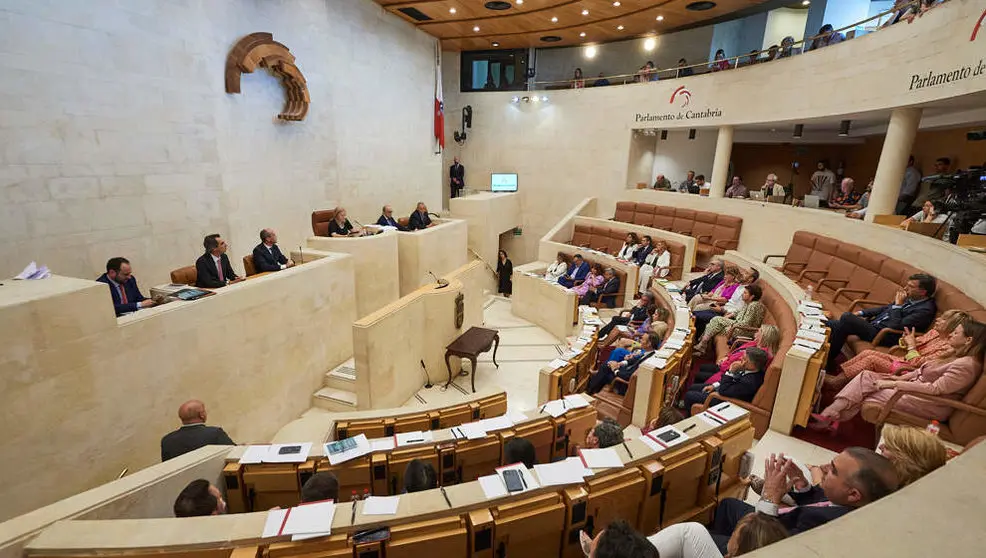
x=341, y=378
x=332, y=399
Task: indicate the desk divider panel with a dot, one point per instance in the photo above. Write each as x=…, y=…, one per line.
x=571, y=430
x=540, y=433
x=236, y=495
x=270, y=485
x=459, y=414
x=529, y=527
x=684, y=474
x=399, y=458
x=477, y=458
x=614, y=495
x=650, y=507
x=735, y=440
x=445, y=536
x=414, y=423
x=493, y=406
x=372, y=428
x=479, y=524
x=353, y=475
x=576, y=514
x=335, y=546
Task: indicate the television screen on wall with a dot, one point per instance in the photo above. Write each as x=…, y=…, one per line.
x=503, y=182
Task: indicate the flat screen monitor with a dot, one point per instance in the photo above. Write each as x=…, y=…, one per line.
x=503, y=182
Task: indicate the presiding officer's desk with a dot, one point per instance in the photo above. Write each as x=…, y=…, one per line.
x=438, y=250
x=653, y=488
x=375, y=260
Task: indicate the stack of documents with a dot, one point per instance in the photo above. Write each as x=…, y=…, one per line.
x=559, y=407
x=569, y=471
x=605, y=458
x=380, y=505
x=722, y=413
x=302, y=522
x=469, y=431
x=557, y=363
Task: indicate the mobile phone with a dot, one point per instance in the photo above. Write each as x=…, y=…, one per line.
x=668, y=436
x=511, y=477
x=342, y=445
x=287, y=450
x=375, y=535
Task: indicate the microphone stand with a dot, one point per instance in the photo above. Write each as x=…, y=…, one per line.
x=428, y=385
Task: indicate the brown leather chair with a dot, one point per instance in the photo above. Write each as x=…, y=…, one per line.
x=320, y=221
x=404, y=222
x=184, y=275
x=625, y=211
x=248, y=266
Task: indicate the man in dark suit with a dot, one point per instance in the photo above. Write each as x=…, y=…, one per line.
x=387, y=219
x=456, y=177
x=741, y=381
x=913, y=307
x=420, y=219
x=623, y=369
x=705, y=283
x=123, y=287
x=576, y=272
x=193, y=433
x=633, y=316
x=854, y=478
x=267, y=256
x=212, y=269
x=610, y=286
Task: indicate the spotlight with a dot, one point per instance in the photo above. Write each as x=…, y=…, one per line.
x=519, y=2
x=616, y=4
x=544, y=98
x=691, y=134
x=515, y=99
x=806, y=3
x=451, y=10
x=660, y=18
x=650, y=43
x=475, y=28
x=585, y=12
x=582, y=34
x=496, y=44
x=844, y=128
x=664, y=134
x=619, y=28
x=799, y=130
x=535, y=99
x=590, y=51
x=554, y=20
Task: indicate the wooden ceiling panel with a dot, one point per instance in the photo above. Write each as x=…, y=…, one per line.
x=523, y=25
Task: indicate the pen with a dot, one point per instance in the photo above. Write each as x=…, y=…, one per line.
x=626, y=447
x=687, y=428
x=723, y=406
x=522, y=481
x=563, y=404
x=352, y=518
x=445, y=494
x=542, y=408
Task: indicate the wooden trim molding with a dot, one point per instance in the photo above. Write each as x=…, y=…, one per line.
x=260, y=49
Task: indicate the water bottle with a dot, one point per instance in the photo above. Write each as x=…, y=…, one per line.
x=933, y=427
x=808, y=292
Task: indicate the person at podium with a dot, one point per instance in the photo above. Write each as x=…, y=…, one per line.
x=419, y=219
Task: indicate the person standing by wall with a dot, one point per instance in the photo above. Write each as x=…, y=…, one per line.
x=457, y=178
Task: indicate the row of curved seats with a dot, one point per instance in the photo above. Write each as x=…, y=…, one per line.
x=714, y=232
x=445, y=417
x=610, y=240
x=573, y=377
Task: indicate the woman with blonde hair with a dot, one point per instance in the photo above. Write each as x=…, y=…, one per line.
x=917, y=350
x=913, y=451
x=768, y=338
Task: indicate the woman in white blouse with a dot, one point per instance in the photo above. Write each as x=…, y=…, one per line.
x=557, y=269
x=629, y=247
x=658, y=262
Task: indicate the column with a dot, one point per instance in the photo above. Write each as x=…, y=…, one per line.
x=720, y=166
x=893, y=160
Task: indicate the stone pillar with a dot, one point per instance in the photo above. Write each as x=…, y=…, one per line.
x=893, y=161
x=720, y=165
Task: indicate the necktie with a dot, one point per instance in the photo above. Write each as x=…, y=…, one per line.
x=219, y=266
x=824, y=504
x=123, y=293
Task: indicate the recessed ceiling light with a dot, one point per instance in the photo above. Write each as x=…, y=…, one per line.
x=806, y=3
x=582, y=34
x=554, y=20
x=519, y=2
x=585, y=12
x=619, y=28
x=496, y=44
x=451, y=10
x=475, y=28
x=650, y=43
x=590, y=51
x=660, y=18
x=616, y=4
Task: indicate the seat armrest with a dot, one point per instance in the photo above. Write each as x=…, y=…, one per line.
x=790, y=264
x=725, y=244
x=768, y=256
x=883, y=333
x=828, y=281
x=705, y=236
x=957, y=405
x=806, y=271
x=867, y=301
x=839, y=292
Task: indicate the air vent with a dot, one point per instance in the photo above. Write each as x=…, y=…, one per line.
x=701, y=6
x=416, y=14
x=497, y=6
x=550, y=39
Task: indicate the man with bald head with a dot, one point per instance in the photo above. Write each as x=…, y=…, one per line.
x=267, y=256
x=193, y=433
x=420, y=219
x=387, y=219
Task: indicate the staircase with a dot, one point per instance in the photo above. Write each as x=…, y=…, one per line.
x=338, y=393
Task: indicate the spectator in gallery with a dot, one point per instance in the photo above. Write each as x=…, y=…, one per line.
x=753, y=58
x=928, y=214
x=124, y=292
x=827, y=36
x=686, y=185
x=909, y=187
x=699, y=184
x=557, y=269
x=504, y=270
x=847, y=196
x=787, y=47
x=719, y=62
x=858, y=211
x=773, y=53
x=601, y=81
x=650, y=71
x=578, y=81
x=771, y=187
x=662, y=183
x=822, y=183
x=737, y=189
x=683, y=71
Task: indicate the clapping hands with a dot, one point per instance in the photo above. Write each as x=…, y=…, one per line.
x=781, y=474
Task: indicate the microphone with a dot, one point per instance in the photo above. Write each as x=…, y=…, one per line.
x=442, y=283
x=301, y=255
x=360, y=225
x=435, y=215
x=423, y=367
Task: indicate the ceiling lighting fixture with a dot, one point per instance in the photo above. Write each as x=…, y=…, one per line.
x=844, y=128
x=616, y=4
x=806, y=3
x=554, y=20
x=475, y=28
x=451, y=10
x=660, y=18
x=590, y=51
x=799, y=130
x=619, y=28
x=585, y=12
x=519, y=2
x=496, y=44
x=582, y=34
x=650, y=43
x=515, y=99
x=544, y=98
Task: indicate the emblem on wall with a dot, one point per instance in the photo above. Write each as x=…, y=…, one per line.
x=260, y=49
x=978, y=26
x=460, y=310
x=683, y=93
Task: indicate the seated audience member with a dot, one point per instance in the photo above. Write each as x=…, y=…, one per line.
x=928, y=214
x=340, y=226
x=607, y=433
x=593, y=279
x=948, y=377
x=387, y=219
x=199, y=499
x=618, y=540
x=915, y=452
x=854, y=478
x=656, y=323
x=419, y=218
x=578, y=81
x=905, y=11
x=773, y=53
x=519, y=450
x=827, y=37
x=737, y=189
x=688, y=183
x=858, y=211
x=658, y=262
x=557, y=270
x=267, y=256
x=682, y=71
x=212, y=269
x=418, y=476
x=193, y=433
x=662, y=183
x=319, y=487
x=601, y=81
x=768, y=338
x=576, y=272
x=919, y=349
x=847, y=197
x=771, y=187
x=667, y=415
x=629, y=247
x=720, y=295
x=124, y=292
x=699, y=184
x=913, y=306
x=711, y=277
x=692, y=540
x=643, y=250
x=610, y=286
x=741, y=381
x=635, y=315
x=719, y=62
x=750, y=314
x=787, y=47
x=622, y=369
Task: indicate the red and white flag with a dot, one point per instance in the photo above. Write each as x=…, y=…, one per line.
x=439, y=101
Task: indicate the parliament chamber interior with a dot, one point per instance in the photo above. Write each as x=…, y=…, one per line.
x=529, y=278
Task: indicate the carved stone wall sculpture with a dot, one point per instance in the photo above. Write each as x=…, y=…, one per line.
x=260, y=49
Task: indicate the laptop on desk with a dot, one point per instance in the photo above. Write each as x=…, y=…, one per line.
x=811, y=201
x=756, y=195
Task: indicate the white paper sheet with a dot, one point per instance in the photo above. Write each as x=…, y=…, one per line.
x=657, y=362
x=493, y=424
x=469, y=431
x=575, y=401
x=673, y=345
x=362, y=448
x=561, y=472
x=380, y=505
x=811, y=335
x=492, y=486
x=728, y=411
x=710, y=419
x=254, y=454
x=274, y=454
x=554, y=408
x=600, y=458
x=516, y=417
x=275, y=518
x=557, y=363
x=528, y=474
x=382, y=444
x=310, y=518
x=305, y=537
x=412, y=438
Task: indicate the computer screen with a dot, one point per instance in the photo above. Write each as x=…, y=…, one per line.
x=503, y=182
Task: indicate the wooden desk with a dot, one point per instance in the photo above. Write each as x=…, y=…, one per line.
x=470, y=345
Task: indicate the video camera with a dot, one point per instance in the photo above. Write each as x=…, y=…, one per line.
x=962, y=196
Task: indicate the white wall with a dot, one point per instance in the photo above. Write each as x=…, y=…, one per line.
x=119, y=138
x=677, y=155
x=640, y=167
x=739, y=36
x=784, y=22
